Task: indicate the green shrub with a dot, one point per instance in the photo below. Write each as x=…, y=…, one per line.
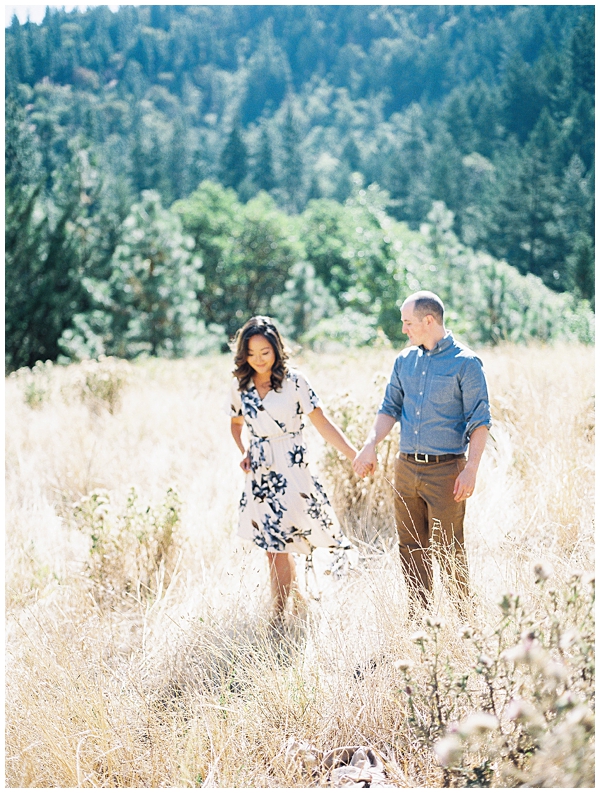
x=35, y=383
x=98, y=383
x=134, y=552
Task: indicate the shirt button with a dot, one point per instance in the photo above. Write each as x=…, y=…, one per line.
x=420, y=393
x=416, y=432
x=418, y=412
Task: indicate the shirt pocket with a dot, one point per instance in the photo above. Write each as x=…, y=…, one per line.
x=441, y=389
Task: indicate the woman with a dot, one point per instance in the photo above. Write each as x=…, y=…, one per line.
x=283, y=508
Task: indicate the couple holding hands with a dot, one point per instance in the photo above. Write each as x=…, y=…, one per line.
x=438, y=394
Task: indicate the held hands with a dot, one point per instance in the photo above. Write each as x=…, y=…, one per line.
x=365, y=462
x=245, y=464
x=464, y=484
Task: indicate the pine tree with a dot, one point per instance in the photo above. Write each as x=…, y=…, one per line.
x=292, y=166
x=233, y=163
x=582, y=55
x=264, y=177
x=582, y=264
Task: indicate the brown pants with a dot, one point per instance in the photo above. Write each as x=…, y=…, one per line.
x=428, y=518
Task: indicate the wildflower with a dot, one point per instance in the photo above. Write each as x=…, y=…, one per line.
x=434, y=622
x=403, y=664
x=581, y=715
x=525, y=713
x=420, y=637
x=528, y=637
x=478, y=724
x=465, y=632
x=555, y=671
x=514, y=655
x=485, y=661
x=542, y=572
x=449, y=750
x=567, y=701
x=568, y=638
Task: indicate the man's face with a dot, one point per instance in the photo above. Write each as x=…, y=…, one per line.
x=415, y=328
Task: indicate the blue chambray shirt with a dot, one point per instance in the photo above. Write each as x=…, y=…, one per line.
x=439, y=397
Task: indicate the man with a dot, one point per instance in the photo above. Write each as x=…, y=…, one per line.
x=438, y=393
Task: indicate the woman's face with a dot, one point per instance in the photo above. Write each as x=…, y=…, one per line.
x=261, y=355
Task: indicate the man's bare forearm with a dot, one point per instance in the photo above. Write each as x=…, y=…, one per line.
x=382, y=426
x=366, y=461
x=477, y=443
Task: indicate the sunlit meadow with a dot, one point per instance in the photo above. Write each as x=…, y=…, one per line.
x=138, y=649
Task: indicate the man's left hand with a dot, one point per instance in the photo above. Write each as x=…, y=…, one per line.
x=465, y=484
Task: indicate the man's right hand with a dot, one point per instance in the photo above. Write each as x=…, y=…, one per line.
x=365, y=462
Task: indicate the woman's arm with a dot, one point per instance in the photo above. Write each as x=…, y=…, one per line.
x=332, y=433
x=237, y=425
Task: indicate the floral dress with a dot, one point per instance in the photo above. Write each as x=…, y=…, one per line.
x=283, y=507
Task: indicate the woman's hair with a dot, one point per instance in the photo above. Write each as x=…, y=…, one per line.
x=259, y=326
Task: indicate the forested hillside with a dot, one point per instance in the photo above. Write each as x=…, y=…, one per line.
x=170, y=169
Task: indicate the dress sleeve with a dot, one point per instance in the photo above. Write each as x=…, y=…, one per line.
x=235, y=408
x=305, y=395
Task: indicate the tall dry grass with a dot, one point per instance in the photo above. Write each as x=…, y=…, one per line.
x=179, y=681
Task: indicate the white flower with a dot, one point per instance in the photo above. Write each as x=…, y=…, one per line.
x=566, y=701
x=568, y=638
x=477, y=724
x=449, y=750
x=524, y=712
x=465, y=632
x=556, y=671
x=404, y=664
x=581, y=715
x=419, y=636
x=514, y=655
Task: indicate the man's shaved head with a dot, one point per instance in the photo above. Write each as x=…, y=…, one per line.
x=426, y=303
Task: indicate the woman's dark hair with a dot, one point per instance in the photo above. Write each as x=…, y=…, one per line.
x=259, y=326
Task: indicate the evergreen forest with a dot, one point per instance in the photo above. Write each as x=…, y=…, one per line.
x=172, y=170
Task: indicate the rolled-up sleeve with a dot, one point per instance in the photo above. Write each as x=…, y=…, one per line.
x=394, y=395
x=476, y=403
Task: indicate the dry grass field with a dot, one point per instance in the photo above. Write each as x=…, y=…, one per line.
x=138, y=647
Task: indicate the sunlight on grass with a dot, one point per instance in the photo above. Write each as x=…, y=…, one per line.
x=139, y=652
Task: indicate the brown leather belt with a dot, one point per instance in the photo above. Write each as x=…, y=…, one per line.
x=420, y=457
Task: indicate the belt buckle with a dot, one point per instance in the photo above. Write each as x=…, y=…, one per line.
x=423, y=455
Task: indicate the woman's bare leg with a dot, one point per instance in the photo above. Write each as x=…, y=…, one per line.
x=282, y=572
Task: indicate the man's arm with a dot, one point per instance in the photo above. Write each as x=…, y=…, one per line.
x=365, y=461
x=465, y=481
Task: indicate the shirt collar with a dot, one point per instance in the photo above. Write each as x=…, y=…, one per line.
x=442, y=344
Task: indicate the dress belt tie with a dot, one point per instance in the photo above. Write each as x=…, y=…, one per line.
x=263, y=447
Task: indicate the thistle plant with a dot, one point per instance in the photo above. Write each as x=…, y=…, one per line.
x=524, y=692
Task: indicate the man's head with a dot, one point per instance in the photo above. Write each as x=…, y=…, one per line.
x=423, y=319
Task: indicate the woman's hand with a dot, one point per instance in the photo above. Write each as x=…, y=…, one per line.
x=245, y=464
